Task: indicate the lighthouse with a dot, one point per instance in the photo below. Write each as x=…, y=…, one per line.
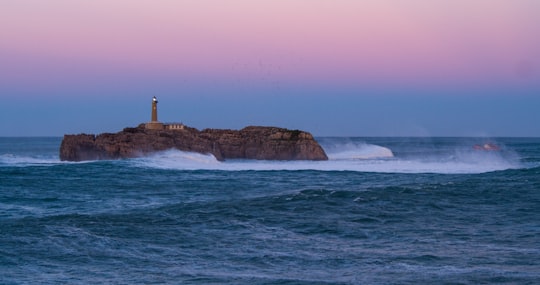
x=154, y=124
x=154, y=109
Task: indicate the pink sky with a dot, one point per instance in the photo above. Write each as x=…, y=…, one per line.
x=334, y=67
x=467, y=42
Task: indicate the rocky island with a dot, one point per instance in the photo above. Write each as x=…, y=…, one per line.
x=254, y=142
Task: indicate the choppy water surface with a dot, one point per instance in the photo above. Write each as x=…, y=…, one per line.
x=381, y=210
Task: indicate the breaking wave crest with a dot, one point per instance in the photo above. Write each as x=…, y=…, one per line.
x=176, y=159
x=357, y=151
x=21, y=160
x=344, y=155
x=350, y=157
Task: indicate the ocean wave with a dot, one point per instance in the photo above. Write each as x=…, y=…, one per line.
x=352, y=150
x=23, y=160
x=459, y=162
x=344, y=155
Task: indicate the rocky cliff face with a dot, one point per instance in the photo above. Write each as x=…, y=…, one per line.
x=268, y=143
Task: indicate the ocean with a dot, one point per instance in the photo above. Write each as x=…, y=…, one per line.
x=380, y=211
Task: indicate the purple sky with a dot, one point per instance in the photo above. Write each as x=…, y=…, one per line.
x=343, y=67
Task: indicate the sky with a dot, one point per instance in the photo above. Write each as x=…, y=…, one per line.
x=332, y=68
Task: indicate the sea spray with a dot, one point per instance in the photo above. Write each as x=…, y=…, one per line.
x=355, y=150
x=347, y=156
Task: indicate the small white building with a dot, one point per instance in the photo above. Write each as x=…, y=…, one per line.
x=174, y=126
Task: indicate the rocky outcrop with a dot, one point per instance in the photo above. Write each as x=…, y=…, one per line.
x=269, y=143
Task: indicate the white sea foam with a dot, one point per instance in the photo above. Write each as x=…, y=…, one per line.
x=343, y=156
x=357, y=151
x=359, y=157
x=22, y=160
x=175, y=159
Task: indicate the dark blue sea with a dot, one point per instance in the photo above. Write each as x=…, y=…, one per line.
x=380, y=211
